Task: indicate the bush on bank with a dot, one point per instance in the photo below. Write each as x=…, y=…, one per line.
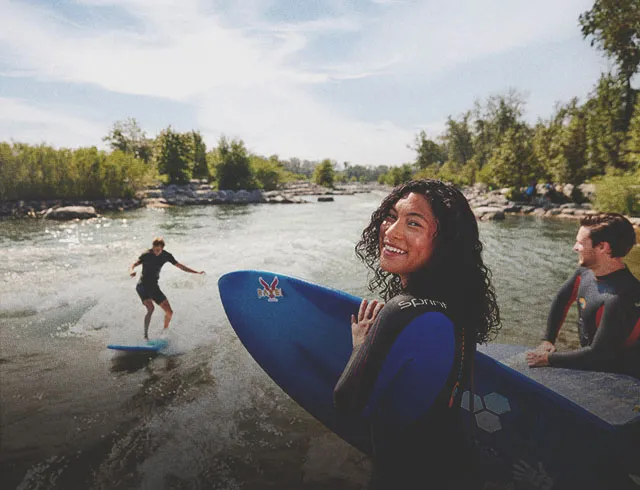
x=618, y=193
x=43, y=172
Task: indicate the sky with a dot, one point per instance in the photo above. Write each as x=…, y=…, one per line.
x=349, y=80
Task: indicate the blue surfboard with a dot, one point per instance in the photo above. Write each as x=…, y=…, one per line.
x=153, y=345
x=546, y=428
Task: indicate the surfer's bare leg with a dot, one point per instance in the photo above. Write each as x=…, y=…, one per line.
x=168, y=312
x=148, y=303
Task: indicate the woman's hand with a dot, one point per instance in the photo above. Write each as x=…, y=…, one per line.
x=366, y=316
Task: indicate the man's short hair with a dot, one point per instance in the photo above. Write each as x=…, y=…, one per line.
x=612, y=228
x=158, y=242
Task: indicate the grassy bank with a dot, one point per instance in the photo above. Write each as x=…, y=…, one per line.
x=43, y=172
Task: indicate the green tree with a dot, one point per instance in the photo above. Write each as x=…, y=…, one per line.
x=513, y=163
x=617, y=192
x=561, y=145
x=174, y=155
x=200, y=167
x=545, y=138
x=499, y=113
x=458, y=140
x=614, y=27
x=605, y=125
x=573, y=166
x=8, y=172
x=232, y=166
x=324, y=174
x=631, y=145
x=398, y=175
x=429, y=152
x=128, y=137
x=269, y=173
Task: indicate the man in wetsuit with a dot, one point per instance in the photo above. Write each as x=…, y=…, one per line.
x=148, y=289
x=608, y=298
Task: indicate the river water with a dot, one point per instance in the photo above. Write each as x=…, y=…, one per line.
x=77, y=415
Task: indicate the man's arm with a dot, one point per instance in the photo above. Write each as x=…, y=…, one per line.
x=132, y=273
x=557, y=314
x=565, y=297
x=187, y=269
x=617, y=323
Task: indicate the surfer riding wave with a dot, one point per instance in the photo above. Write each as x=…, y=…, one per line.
x=147, y=288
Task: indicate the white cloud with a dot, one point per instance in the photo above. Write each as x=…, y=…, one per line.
x=427, y=38
x=254, y=78
x=26, y=123
x=289, y=123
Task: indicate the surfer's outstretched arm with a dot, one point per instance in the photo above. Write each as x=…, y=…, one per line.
x=187, y=269
x=132, y=273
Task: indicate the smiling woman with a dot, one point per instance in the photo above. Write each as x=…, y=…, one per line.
x=407, y=236
x=423, y=247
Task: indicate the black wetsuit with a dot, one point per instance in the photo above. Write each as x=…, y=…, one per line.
x=609, y=322
x=147, y=287
x=428, y=450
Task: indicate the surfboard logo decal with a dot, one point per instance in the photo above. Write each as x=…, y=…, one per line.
x=270, y=291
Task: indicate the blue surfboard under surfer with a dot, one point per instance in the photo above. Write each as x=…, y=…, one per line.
x=147, y=288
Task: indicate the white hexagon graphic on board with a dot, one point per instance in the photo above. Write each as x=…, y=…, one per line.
x=496, y=403
x=488, y=421
x=477, y=402
x=487, y=410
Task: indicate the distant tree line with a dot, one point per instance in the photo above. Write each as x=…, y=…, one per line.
x=597, y=141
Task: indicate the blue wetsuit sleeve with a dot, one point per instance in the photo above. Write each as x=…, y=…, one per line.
x=416, y=371
x=565, y=297
x=356, y=384
x=618, y=321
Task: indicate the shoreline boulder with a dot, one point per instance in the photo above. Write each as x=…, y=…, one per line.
x=71, y=212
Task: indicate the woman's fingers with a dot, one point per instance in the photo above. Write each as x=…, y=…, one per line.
x=370, y=309
x=362, y=310
x=377, y=309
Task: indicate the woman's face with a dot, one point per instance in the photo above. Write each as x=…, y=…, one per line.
x=407, y=236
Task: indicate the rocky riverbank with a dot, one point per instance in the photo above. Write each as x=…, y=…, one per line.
x=494, y=205
x=487, y=204
x=194, y=193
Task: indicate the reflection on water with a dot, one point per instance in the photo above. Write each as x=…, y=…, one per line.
x=131, y=362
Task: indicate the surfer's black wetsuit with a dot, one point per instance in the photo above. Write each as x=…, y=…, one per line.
x=147, y=287
x=608, y=324
x=428, y=451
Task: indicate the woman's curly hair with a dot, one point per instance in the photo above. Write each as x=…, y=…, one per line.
x=455, y=273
